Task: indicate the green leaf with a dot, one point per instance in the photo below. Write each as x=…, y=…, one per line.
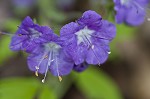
x=124, y=32
x=11, y=25
x=60, y=88
x=97, y=85
x=47, y=93
x=18, y=88
x=49, y=11
x=5, y=52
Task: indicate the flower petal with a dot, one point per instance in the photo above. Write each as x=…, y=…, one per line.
x=37, y=60
x=80, y=67
x=70, y=28
x=16, y=42
x=120, y=15
x=135, y=16
x=107, y=31
x=61, y=64
x=97, y=55
x=91, y=19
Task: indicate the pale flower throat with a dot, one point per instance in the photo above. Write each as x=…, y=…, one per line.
x=124, y=2
x=84, y=36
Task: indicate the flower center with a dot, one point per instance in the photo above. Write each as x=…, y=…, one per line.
x=34, y=33
x=51, y=53
x=124, y=2
x=52, y=46
x=84, y=36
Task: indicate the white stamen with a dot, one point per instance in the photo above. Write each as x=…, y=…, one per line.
x=43, y=80
x=9, y=34
x=59, y=77
x=92, y=46
x=52, y=60
x=48, y=64
x=124, y=2
x=36, y=67
x=84, y=32
x=109, y=52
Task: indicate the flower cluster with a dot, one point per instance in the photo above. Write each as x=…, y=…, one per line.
x=80, y=43
x=132, y=12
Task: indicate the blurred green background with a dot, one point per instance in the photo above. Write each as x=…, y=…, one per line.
x=125, y=75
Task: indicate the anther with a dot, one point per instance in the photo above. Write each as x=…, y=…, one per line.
x=109, y=52
x=92, y=46
x=6, y=33
x=36, y=67
x=43, y=80
x=19, y=34
x=60, y=78
x=36, y=73
x=48, y=64
x=46, y=57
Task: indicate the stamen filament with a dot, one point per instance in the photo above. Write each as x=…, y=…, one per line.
x=59, y=77
x=23, y=30
x=109, y=52
x=48, y=64
x=92, y=47
x=36, y=73
x=98, y=37
x=38, y=66
x=9, y=34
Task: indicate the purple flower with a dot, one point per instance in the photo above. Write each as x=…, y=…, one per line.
x=132, y=12
x=87, y=39
x=30, y=35
x=81, y=67
x=51, y=56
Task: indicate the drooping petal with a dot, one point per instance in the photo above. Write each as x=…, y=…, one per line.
x=38, y=60
x=80, y=67
x=51, y=57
